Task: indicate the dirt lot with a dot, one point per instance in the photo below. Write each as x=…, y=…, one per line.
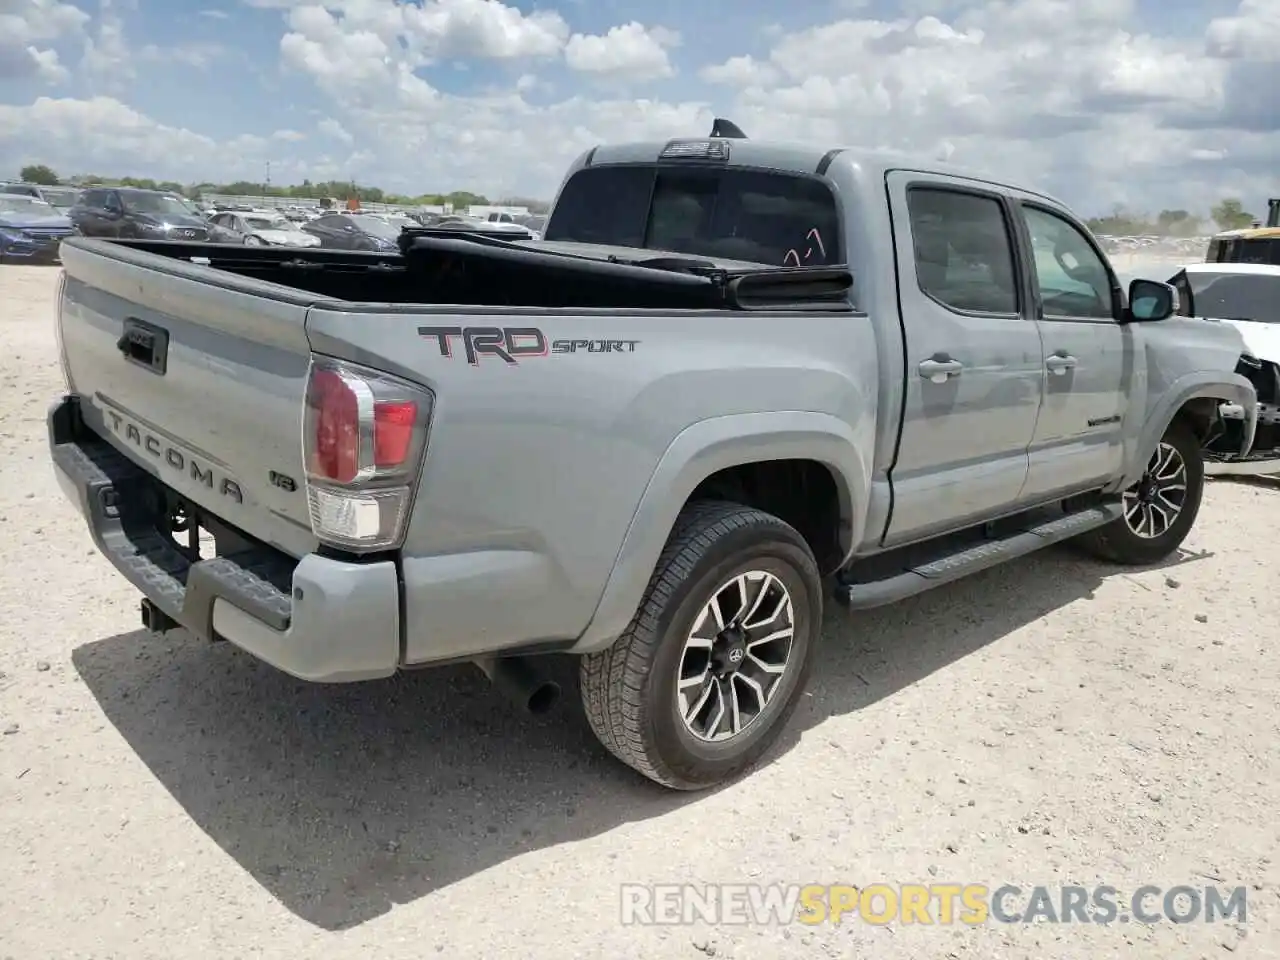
x=1059, y=722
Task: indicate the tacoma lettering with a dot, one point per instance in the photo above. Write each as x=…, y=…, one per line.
x=174, y=458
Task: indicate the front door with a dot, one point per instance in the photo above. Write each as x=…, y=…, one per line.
x=1089, y=362
x=974, y=361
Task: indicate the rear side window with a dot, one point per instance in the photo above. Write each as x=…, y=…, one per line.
x=756, y=216
x=963, y=252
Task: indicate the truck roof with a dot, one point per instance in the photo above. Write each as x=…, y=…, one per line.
x=798, y=157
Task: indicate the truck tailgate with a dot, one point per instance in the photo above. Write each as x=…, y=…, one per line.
x=197, y=375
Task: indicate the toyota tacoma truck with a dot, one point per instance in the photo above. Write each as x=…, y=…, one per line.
x=735, y=378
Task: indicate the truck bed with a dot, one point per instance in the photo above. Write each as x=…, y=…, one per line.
x=484, y=272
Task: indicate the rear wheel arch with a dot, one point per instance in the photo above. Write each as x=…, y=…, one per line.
x=722, y=459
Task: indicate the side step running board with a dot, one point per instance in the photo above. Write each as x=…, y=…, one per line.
x=971, y=559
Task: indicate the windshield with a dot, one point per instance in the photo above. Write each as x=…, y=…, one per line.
x=780, y=219
x=268, y=223
x=157, y=203
x=13, y=203
x=1230, y=296
x=378, y=228
x=60, y=196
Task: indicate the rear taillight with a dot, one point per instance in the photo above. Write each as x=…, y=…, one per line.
x=364, y=434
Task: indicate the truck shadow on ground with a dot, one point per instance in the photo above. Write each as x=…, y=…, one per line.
x=343, y=801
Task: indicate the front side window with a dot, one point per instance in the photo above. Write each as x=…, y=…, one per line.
x=963, y=251
x=1074, y=280
x=763, y=217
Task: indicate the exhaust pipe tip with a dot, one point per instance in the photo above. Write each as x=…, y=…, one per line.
x=544, y=698
x=521, y=682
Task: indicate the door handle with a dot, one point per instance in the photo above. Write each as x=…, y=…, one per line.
x=1060, y=363
x=940, y=371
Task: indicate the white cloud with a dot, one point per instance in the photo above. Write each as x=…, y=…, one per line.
x=48, y=67
x=100, y=135
x=1086, y=97
x=27, y=30
x=1252, y=34
x=215, y=14
x=629, y=50
x=332, y=128
x=741, y=71
x=199, y=55
x=107, y=60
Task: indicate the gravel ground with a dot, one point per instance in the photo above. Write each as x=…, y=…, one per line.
x=1056, y=722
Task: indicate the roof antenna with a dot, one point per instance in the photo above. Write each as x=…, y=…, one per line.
x=727, y=129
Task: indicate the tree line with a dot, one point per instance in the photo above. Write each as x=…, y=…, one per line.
x=307, y=190
x=1230, y=214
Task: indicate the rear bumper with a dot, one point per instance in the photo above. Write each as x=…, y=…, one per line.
x=317, y=618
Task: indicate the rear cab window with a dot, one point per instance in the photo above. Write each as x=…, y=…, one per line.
x=757, y=216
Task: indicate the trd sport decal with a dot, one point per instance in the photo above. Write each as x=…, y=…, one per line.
x=513, y=344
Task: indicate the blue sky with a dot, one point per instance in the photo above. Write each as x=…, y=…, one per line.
x=1103, y=101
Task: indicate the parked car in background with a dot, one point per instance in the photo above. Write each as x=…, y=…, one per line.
x=129, y=213
x=499, y=229
x=31, y=229
x=535, y=224
x=1247, y=297
x=60, y=197
x=261, y=229
x=354, y=231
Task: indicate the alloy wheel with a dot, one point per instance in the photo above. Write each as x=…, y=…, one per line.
x=736, y=656
x=1154, y=503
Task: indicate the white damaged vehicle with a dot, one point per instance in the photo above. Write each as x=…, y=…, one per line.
x=263, y=228
x=1247, y=296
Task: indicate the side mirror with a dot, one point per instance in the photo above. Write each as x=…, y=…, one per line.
x=1151, y=300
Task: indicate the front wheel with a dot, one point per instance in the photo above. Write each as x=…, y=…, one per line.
x=252, y=242
x=703, y=679
x=1160, y=509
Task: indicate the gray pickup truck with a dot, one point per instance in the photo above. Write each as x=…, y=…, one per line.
x=735, y=377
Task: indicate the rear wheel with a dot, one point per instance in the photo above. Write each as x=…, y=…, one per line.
x=705, y=676
x=252, y=241
x=1160, y=509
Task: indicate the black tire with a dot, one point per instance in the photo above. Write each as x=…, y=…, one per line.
x=1118, y=542
x=629, y=690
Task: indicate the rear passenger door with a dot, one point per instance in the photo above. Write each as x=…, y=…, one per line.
x=1088, y=356
x=974, y=361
